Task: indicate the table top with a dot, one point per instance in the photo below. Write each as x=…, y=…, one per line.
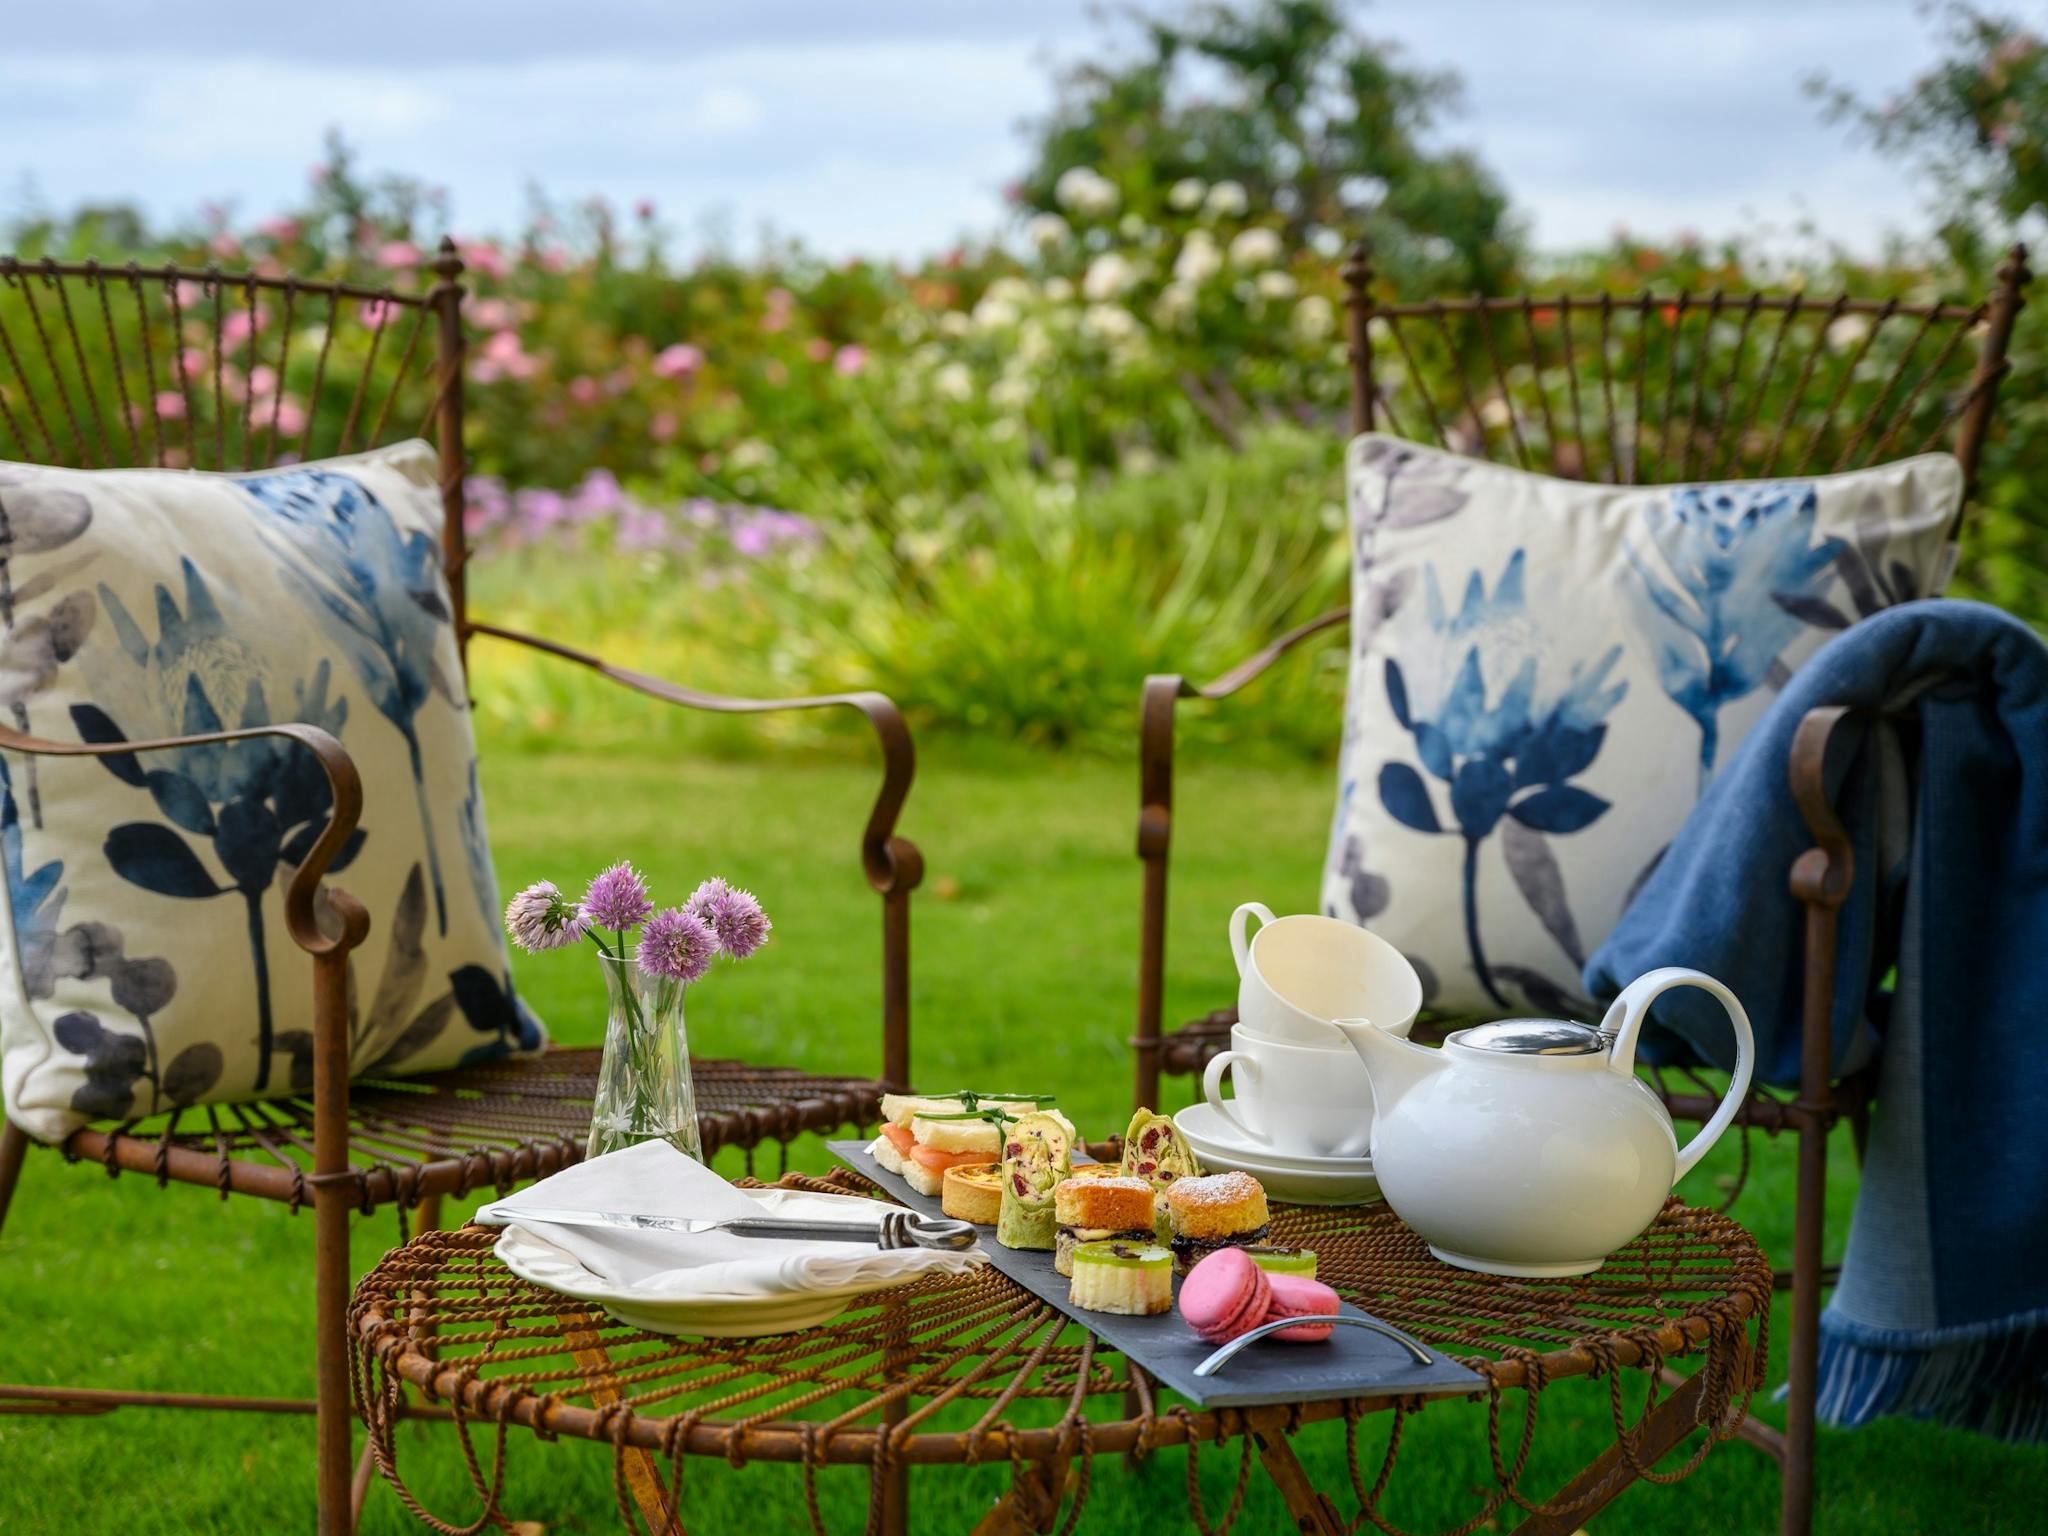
x=974, y=1367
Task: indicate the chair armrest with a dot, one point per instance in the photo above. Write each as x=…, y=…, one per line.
x=892, y=863
x=1163, y=691
x=343, y=781
x=1821, y=876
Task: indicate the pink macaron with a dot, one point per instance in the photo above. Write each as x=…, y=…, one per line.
x=1299, y=1296
x=1226, y=1294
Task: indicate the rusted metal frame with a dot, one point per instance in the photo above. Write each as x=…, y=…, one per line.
x=172, y=272
x=1436, y=422
x=1826, y=318
x=1674, y=327
x=35, y=316
x=1312, y=1510
x=98, y=281
x=1821, y=880
x=405, y=356
x=13, y=1152
x=248, y=379
x=1635, y=426
x=1571, y=379
x=1484, y=319
x=52, y=1400
x=284, y=359
x=1732, y=444
x=1702, y=365
x=1845, y=378
x=1877, y=404
x=1162, y=692
x=1729, y=385
x=1607, y=385
x=330, y=1063
x=445, y=299
x=1536, y=377
x=891, y=862
x=2013, y=278
x=319, y=373
x=1851, y=306
x=220, y=407
x=92, y=399
x=156, y=417
x=179, y=371
x=1442, y=314
x=1358, y=310
x=1902, y=417
x=1611, y=1474
x=355, y=404
x=10, y=271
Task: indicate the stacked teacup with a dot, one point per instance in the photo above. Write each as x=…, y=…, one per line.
x=1302, y=1097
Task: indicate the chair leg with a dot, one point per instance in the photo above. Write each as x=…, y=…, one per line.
x=1795, y=1508
x=336, y=1416
x=13, y=1149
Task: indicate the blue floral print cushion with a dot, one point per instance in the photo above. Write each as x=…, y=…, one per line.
x=1546, y=674
x=144, y=963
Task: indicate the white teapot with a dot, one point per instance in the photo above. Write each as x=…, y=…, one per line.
x=1529, y=1146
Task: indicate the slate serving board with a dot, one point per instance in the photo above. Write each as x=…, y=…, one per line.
x=1352, y=1362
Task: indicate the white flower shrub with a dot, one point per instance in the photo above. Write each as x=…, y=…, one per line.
x=1086, y=192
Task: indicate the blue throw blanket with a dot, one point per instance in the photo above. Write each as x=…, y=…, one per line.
x=1942, y=1310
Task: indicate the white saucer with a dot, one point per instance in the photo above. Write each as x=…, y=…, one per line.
x=1203, y=1126
x=1304, y=1181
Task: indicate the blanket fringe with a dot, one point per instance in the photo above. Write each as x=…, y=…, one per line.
x=1992, y=1379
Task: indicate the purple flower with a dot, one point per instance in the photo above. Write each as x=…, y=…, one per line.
x=677, y=945
x=617, y=898
x=734, y=916
x=540, y=918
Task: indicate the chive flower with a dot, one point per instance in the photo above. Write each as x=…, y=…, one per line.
x=617, y=899
x=540, y=918
x=677, y=945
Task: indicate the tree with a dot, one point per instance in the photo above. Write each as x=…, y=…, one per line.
x=1975, y=125
x=1315, y=121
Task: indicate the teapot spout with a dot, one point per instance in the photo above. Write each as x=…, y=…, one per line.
x=1393, y=1065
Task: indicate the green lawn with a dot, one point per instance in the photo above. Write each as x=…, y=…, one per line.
x=1024, y=940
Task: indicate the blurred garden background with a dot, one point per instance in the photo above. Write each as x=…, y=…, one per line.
x=1001, y=479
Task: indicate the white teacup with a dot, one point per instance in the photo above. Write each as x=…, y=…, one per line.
x=1304, y=1100
x=1297, y=973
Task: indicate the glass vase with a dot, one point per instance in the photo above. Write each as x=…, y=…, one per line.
x=644, y=1091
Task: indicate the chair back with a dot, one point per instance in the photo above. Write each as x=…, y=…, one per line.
x=196, y=368
x=1657, y=387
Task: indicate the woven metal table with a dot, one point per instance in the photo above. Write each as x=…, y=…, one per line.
x=974, y=1368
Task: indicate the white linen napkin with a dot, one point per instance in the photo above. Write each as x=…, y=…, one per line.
x=668, y=1268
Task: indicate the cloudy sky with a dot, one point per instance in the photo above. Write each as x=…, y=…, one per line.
x=887, y=126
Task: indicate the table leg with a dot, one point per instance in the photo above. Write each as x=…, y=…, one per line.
x=1610, y=1474
x=1031, y=1506
x=643, y=1477
x=1314, y=1514
x=895, y=1489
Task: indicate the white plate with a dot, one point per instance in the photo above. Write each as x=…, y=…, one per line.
x=711, y=1317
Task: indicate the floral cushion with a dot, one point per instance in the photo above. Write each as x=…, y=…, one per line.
x=144, y=962
x=1545, y=675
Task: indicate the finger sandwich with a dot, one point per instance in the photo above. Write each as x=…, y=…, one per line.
x=918, y=1142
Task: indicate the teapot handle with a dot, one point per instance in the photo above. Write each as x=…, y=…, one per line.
x=1240, y=943
x=1633, y=1006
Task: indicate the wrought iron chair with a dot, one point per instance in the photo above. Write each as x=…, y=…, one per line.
x=1642, y=389
x=98, y=376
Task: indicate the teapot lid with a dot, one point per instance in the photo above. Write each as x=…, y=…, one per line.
x=1535, y=1037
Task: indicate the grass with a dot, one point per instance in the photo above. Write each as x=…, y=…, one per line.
x=1024, y=938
